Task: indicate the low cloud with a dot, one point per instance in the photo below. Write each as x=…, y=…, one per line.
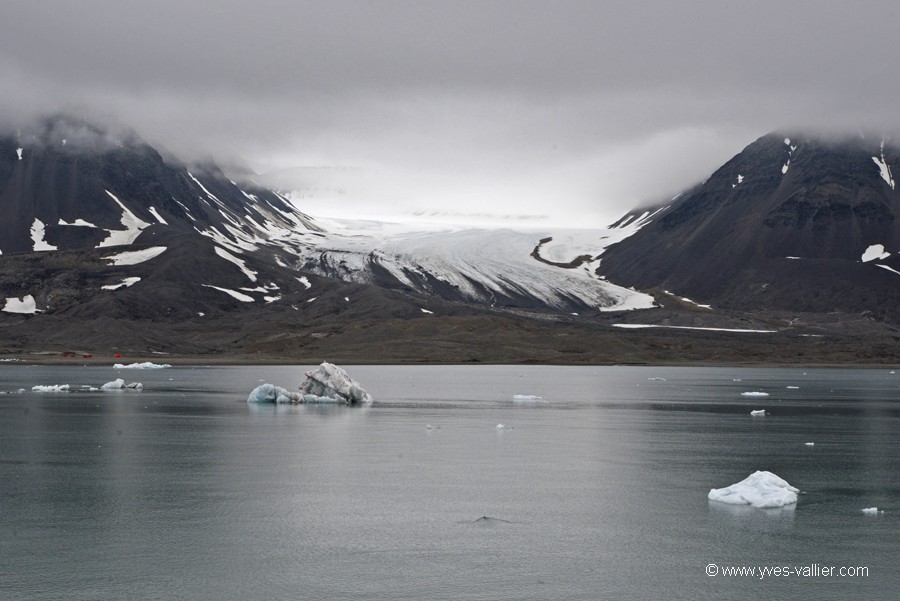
x=572, y=112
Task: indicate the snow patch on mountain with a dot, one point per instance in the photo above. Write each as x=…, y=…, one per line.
x=233, y=293
x=125, y=283
x=159, y=217
x=133, y=257
x=132, y=224
x=25, y=305
x=888, y=268
x=202, y=187
x=884, y=168
x=77, y=223
x=251, y=275
x=37, y=237
x=875, y=252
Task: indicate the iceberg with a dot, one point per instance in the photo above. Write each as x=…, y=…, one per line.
x=144, y=365
x=331, y=384
x=269, y=393
x=870, y=511
x=526, y=397
x=755, y=394
x=51, y=388
x=758, y=412
x=119, y=384
x=760, y=489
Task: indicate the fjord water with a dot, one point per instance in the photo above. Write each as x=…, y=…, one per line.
x=597, y=490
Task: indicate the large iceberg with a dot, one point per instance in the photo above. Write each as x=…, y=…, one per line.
x=759, y=489
x=326, y=384
x=269, y=393
x=330, y=384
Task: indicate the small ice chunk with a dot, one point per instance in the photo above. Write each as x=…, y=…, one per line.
x=426, y=311
x=810, y=444
x=760, y=489
x=51, y=388
x=755, y=394
x=758, y=412
x=657, y=379
x=871, y=511
x=526, y=397
x=117, y=384
x=19, y=153
x=499, y=427
x=793, y=387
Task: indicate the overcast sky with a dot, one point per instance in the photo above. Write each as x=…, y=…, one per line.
x=570, y=112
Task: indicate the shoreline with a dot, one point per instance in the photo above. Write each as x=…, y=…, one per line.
x=230, y=360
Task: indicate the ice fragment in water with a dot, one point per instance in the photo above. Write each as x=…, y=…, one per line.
x=760, y=489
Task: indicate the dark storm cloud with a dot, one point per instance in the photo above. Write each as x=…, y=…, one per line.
x=592, y=106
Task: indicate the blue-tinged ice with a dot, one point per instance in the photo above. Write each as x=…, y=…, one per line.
x=269, y=393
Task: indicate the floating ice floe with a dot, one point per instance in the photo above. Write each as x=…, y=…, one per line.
x=526, y=397
x=758, y=412
x=329, y=383
x=51, y=388
x=144, y=365
x=119, y=384
x=760, y=489
x=755, y=394
x=871, y=511
x=269, y=393
x=656, y=379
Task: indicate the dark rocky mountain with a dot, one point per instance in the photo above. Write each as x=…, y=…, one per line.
x=792, y=223
x=108, y=246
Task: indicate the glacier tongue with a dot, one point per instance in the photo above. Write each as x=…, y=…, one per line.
x=486, y=266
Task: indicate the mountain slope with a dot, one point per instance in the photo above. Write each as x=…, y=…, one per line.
x=786, y=224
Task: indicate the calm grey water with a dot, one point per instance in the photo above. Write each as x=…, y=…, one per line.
x=598, y=490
